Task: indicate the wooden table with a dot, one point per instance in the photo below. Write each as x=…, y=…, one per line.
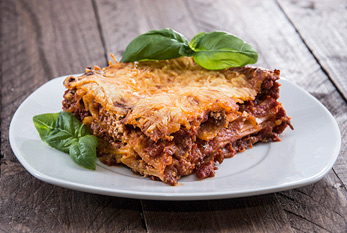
x=41, y=40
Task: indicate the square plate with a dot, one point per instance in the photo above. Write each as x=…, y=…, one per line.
x=303, y=156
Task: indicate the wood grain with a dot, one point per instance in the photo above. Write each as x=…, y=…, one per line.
x=38, y=47
x=281, y=47
x=177, y=15
x=252, y=214
x=306, y=72
x=30, y=205
x=270, y=31
x=119, y=24
x=322, y=26
x=321, y=207
x=40, y=41
x=136, y=17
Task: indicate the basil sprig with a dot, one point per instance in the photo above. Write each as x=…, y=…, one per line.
x=64, y=132
x=156, y=45
x=214, y=51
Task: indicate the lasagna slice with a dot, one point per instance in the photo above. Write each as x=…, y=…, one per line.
x=168, y=119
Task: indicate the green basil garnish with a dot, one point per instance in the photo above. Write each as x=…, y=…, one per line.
x=84, y=151
x=64, y=132
x=214, y=51
x=156, y=45
x=45, y=123
x=220, y=50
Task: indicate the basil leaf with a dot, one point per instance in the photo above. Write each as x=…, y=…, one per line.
x=83, y=152
x=194, y=43
x=69, y=123
x=60, y=140
x=186, y=51
x=157, y=45
x=48, y=126
x=45, y=123
x=67, y=130
x=220, y=50
x=63, y=131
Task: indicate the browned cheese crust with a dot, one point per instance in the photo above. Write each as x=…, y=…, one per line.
x=168, y=119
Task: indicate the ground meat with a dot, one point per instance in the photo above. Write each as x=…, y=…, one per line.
x=206, y=170
x=188, y=153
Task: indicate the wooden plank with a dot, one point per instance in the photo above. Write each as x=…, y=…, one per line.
x=40, y=41
x=252, y=214
x=119, y=22
x=137, y=17
x=281, y=47
x=30, y=205
x=321, y=207
x=189, y=216
x=250, y=209
x=171, y=14
x=37, y=46
x=322, y=25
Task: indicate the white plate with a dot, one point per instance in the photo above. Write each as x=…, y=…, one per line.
x=303, y=156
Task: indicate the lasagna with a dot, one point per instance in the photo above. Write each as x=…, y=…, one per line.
x=172, y=118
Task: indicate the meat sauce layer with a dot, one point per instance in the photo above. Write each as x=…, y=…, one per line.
x=194, y=150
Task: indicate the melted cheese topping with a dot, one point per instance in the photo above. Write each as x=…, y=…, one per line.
x=160, y=97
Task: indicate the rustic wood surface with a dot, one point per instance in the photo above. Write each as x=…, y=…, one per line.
x=41, y=40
